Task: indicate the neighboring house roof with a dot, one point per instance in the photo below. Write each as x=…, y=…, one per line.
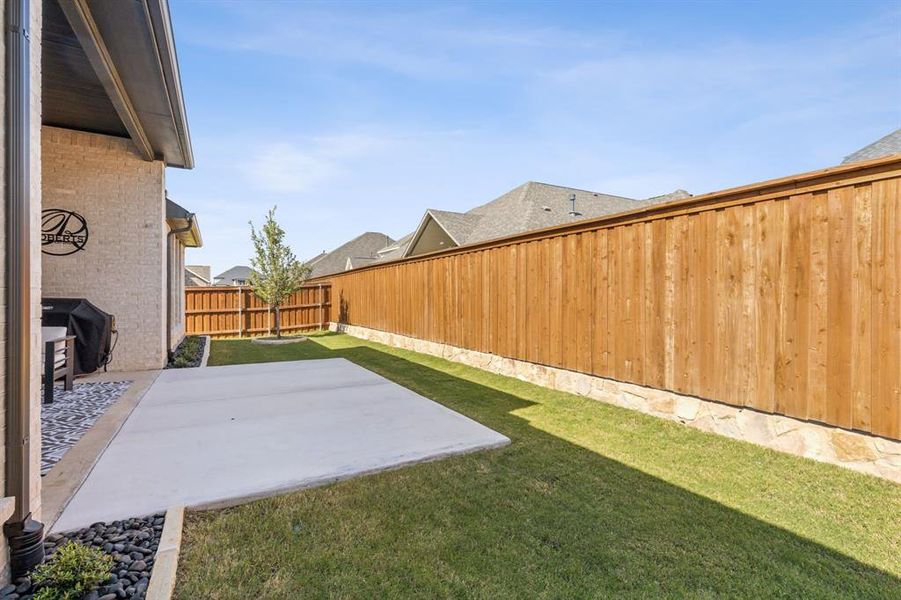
x=239, y=272
x=397, y=249
x=459, y=226
x=359, y=261
x=362, y=246
x=533, y=205
x=671, y=197
x=197, y=275
x=890, y=144
x=179, y=218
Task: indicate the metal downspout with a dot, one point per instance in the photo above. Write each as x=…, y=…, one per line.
x=25, y=535
x=169, y=276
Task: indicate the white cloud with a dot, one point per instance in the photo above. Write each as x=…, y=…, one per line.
x=284, y=168
x=288, y=167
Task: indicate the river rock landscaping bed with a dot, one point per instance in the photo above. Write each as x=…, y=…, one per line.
x=189, y=353
x=131, y=542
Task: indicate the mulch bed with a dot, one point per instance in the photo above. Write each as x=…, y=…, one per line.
x=195, y=360
x=131, y=542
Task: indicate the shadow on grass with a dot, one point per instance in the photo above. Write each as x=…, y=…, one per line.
x=546, y=516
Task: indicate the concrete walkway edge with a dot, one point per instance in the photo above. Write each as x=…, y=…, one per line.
x=332, y=479
x=165, y=565
x=206, y=351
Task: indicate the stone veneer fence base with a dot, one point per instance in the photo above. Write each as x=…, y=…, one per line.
x=861, y=452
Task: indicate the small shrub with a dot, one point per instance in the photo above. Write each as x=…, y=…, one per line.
x=72, y=571
x=186, y=353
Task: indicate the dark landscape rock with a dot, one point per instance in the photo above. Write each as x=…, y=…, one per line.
x=131, y=542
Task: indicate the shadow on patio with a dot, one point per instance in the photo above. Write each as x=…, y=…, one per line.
x=589, y=500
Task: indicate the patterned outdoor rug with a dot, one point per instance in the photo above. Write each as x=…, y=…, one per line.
x=71, y=414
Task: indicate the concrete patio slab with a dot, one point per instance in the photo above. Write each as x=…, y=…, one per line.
x=220, y=435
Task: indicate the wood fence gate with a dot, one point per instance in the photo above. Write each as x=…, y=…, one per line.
x=234, y=311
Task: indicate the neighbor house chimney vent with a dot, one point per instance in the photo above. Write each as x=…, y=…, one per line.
x=572, y=209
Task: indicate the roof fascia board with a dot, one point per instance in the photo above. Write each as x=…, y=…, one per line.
x=85, y=28
x=157, y=12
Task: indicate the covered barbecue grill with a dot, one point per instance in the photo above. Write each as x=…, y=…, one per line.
x=93, y=330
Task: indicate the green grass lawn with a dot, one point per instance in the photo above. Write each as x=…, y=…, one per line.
x=589, y=500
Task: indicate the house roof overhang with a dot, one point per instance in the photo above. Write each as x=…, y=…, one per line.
x=111, y=68
x=185, y=223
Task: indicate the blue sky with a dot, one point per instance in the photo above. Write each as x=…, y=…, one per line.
x=356, y=117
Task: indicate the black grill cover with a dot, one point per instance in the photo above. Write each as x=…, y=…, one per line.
x=91, y=327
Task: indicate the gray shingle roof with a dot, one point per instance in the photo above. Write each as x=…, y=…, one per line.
x=890, y=144
x=362, y=246
x=397, y=249
x=532, y=205
x=240, y=272
x=359, y=261
x=457, y=225
x=197, y=274
x=536, y=205
x=671, y=197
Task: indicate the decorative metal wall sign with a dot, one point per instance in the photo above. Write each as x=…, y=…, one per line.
x=63, y=232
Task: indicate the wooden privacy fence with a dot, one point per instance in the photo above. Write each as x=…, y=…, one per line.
x=782, y=296
x=234, y=311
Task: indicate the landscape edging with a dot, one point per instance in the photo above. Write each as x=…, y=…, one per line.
x=162, y=579
x=206, y=351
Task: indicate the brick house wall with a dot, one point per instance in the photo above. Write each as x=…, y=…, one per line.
x=122, y=269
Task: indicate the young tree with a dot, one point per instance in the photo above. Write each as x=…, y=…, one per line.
x=276, y=271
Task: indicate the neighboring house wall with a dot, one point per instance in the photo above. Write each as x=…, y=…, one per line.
x=122, y=268
x=6, y=503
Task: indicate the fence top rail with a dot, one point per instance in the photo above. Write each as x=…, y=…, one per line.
x=231, y=288
x=823, y=179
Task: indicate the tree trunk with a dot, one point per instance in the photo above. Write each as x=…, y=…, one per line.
x=278, y=323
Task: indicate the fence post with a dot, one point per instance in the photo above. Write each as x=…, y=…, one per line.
x=240, y=312
x=321, y=315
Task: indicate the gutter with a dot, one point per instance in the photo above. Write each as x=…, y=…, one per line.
x=169, y=276
x=24, y=534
